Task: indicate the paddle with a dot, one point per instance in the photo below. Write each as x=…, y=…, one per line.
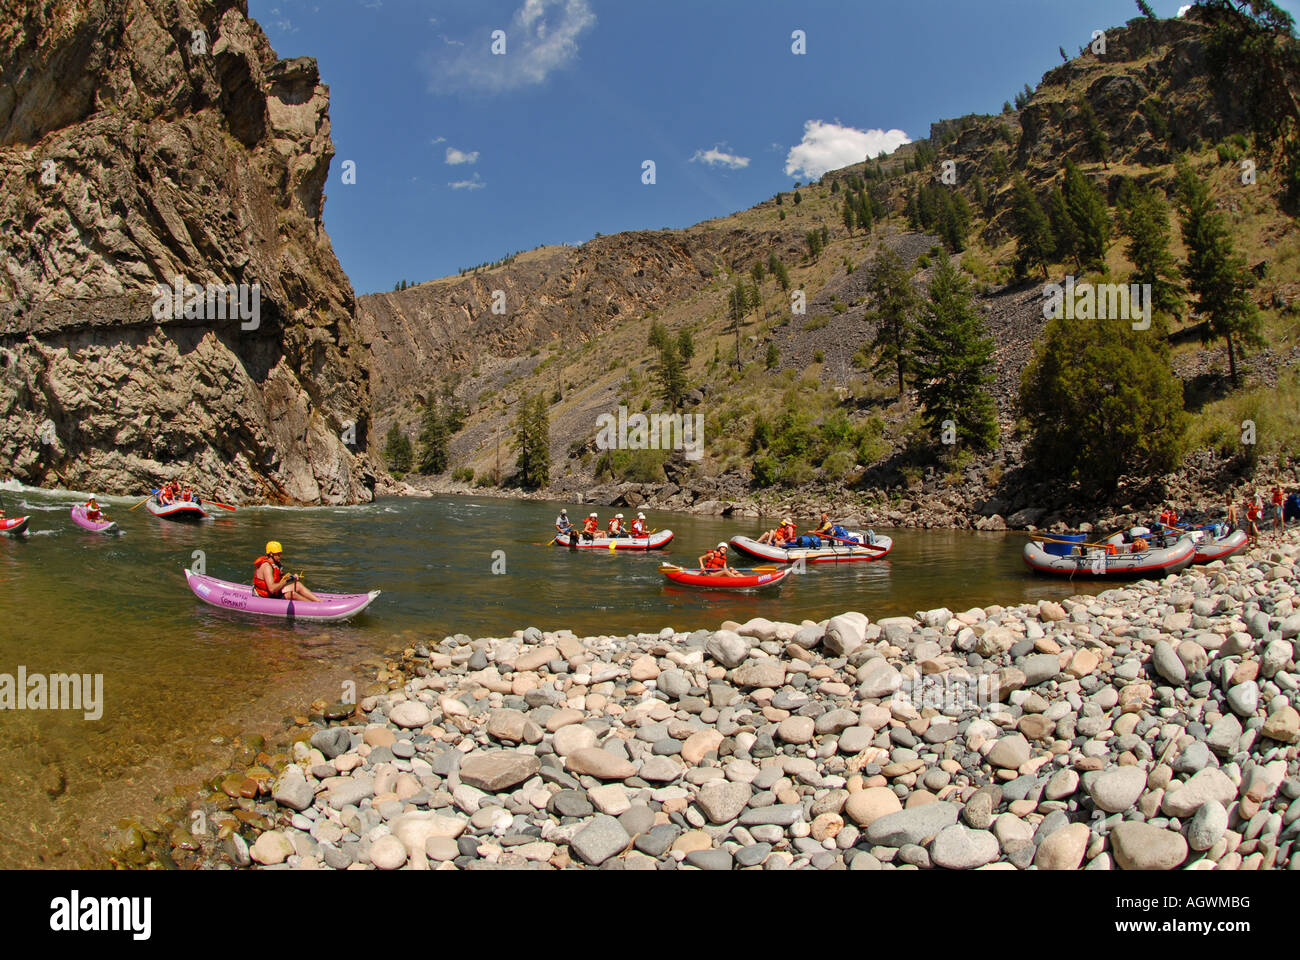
x=1073, y=543
x=673, y=566
x=144, y=501
x=851, y=543
x=215, y=503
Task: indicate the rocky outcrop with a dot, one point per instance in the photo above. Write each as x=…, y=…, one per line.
x=142, y=141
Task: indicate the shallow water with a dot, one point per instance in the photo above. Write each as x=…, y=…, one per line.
x=176, y=671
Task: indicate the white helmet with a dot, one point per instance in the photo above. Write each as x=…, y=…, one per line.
x=592, y=515
x=618, y=516
x=722, y=546
x=640, y=516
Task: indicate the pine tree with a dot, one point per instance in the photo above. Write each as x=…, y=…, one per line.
x=1087, y=212
x=397, y=449
x=1102, y=402
x=848, y=216
x=434, y=434
x=896, y=303
x=1035, y=241
x=1062, y=226
x=952, y=356
x=1215, y=274
x=773, y=357
x=1146, y=224
x=1146, y=10
x=533, y=441
x=1098, y=141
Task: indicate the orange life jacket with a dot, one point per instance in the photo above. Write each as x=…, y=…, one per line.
x=1140, y=545
x=638, y=528
x=263, y=588
x=615, y=526
x=714, y=560
x=788, y=532
x=591, y=525
x=1252, y=512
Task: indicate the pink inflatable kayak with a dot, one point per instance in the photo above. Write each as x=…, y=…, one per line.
x=13, y=525
x=176, y=510
x=94, y=526
x=241, y=598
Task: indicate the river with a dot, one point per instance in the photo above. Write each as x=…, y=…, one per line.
x=178, y=674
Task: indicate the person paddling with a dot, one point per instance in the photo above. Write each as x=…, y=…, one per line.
x=616, y=527
x=824, y=527
x=590, y=527
x=562, y=525
x=638, y=525
x=92, y=510
x=270, y=580
x=715, y=562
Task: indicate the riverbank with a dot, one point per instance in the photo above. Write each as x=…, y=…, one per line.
x=1149, y=726
x=988, y=496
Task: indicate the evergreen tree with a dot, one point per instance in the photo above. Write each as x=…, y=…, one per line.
x=1146, y=224
x=685, y=345
x=1146, y=10
x=1064, y=56
x=773, y=357
x=533, y=441
x=782, y=276
x=1035, y=242
x=1215, y=274
x=896, y=303
x=848, y=216
x=1102, y=402
x=435, y=432
x=798, y=198
x=1098, y=141
x=952, y=356
x=1087, y=211
x=1062, y=226
x=397, y=449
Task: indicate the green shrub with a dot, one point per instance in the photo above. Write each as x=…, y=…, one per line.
x=463, y=474
x=796, y=473
x=766, y=470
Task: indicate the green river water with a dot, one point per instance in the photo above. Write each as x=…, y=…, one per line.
x=177, y=673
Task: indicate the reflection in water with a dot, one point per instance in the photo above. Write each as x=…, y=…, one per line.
x=176, y=671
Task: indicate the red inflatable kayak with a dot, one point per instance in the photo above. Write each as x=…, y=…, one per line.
x=14, y=525
x=753, y=579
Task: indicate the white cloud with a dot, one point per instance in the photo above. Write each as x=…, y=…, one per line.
x=541, y=37
x=1184, y=8
x=472, y=184
x=829, y=146
x=456, y=157
x=437, y=140
x=716, y=156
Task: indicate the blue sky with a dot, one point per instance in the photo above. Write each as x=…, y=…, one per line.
x=463, y=156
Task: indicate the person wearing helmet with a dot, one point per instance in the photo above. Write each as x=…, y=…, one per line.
x=270, y=580
x=91, y=507
x=616, y=526
x=590, y=527
x=638, y=525
x=715, y=562
x=562, y=525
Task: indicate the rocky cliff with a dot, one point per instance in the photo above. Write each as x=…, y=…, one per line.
x=148, y=142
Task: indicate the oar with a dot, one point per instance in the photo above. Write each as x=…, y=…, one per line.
x=1073, y=543
x=144, y=501
x=215, y=503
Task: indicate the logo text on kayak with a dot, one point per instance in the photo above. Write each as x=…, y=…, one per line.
x=212, y=301
x=658, y=431
x=1098, y=301
x=57, y=691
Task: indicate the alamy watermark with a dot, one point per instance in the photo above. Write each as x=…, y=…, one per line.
x=1098, y=301
x=658, y=431
x=950, y=694
x=212, y=301
x=58, y=691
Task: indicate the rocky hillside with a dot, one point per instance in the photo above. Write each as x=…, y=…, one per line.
x=143, y=141
x=577, y=321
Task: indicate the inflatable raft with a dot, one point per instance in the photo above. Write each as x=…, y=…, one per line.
x=1221, y=547
x=94, y=526
x=654, y=541
x=176, y=510
x=240, y=598
x=747, y=580
x=871, y=546
x=14, y=525
x=1069, y=556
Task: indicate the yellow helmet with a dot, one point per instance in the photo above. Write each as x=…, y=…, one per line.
x=273, y=546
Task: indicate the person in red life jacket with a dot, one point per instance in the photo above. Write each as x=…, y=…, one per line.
x=1253, y=514
x=165, y=494
x=616, y=527
x=638, y=525
x=590, y=527
x=188, y=493
x=1279, y=518
x=270, y=580
x=91, y=507
x=715, y=562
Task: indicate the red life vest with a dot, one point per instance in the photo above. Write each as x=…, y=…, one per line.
x=615, y=526
x=262, y=588
x=788, y=532
x=1252, y=511
x=714, y=560
x=638, y=528
x=92, y=513
x=591, y=525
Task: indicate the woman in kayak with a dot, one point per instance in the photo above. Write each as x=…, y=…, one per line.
x=270, y=580
x=590, y=527
x=638, y=525
x=715, y=562
x=91, y=507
